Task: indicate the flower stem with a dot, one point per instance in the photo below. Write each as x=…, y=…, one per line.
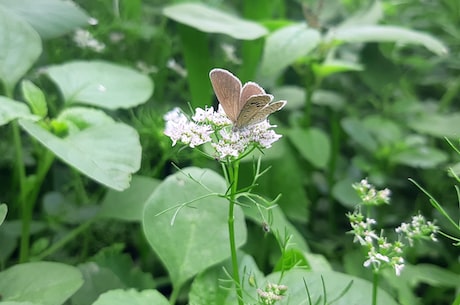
x=232, y=172
x=375, y=285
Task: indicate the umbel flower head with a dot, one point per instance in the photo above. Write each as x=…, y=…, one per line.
x=238, y=126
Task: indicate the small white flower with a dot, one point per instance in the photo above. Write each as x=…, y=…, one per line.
x=85, y=40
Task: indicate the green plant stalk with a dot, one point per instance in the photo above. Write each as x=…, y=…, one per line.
x=232, y=171
x=335, y=148
x=66, y=239
x=26, y=213
x=375, y=285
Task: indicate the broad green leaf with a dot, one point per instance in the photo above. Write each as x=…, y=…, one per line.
x=341, y=289
x=344, y=193
x=50, y=18
x=11, y=110
x=430, y=274
x=209, y=288
x=333, y=66
x=387, y=33
x=17, y=303
x=20, y=46
x=195, y=237
x=46, y=283
x=211, y=20
x=313, y=144
x=438, y=125
x=283, y=162
x=371, y=15
x=97, y=280
x=286, y=45
x=296, y=96
x=35, y=97
x=107, y=153
x=421, y=157
x=131, y=296
x=101, y=84
x=129, y=204
x=3, y=211
x=83, y=117
x=278, y=224
x=358, y=132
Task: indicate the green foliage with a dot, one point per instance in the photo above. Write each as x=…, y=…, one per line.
x=372, y=91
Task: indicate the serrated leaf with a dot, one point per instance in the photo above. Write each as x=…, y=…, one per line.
x=11, y=110
x=131, y=296
x=50, y=18
x=46, y=283
x=198, y=237
x=20, y=46
x=107, y=153
x=313, y=144
x=284, y=46
x=101, y=84
x=211, y=20
x=388, y=33
x=35, y=97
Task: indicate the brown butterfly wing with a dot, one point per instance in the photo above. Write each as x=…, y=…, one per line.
x=227, y=88
x=261, y=114
x=250, y=89
x=254, y=104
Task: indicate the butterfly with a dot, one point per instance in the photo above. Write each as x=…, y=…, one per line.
x=244, y=105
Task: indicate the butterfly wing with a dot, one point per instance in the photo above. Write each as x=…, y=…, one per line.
x=227, y=88
x=253, y=105
x=259, y=114
x=250, y=89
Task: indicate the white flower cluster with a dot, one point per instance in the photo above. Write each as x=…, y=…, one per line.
x=380, y=253
x=207, y=125
x=271, y=293
x=86, y=40
x=369, y=195
x=418, y=228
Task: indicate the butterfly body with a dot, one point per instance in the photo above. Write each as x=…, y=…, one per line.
x=244, y=105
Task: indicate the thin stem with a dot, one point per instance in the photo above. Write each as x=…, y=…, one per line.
x=375, y=285
x=63, y=241
x=26, y=213
x=173, y=296
x=233, y=179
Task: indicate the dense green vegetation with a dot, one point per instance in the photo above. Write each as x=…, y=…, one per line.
x=106, y=198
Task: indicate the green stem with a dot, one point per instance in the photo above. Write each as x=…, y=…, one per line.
x=335, y=145
x=26, y=213
x=63, y=241
x=233, y=179
x=173, y=296
x=375, y=285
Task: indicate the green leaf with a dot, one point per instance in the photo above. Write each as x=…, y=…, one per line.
x=284, y=46
x=35, y=97
x=313, y=144
x=20, y=46
x=421, y=157
x=344, y=193
x=387, y=33
x=357, y=131
x=430, y=274
x=83, y=117
x=198, y=237
x=341, y=289
x=210, y=20
x=334, y=66
x=3, y=212
x=131, y=296
x=129, y=204
x=292, y=258
x=209, y=287
x=50, y=18
x=101, y=84
x=437, y=125
x=11, y=110
x=107, y=153
x=45, y=283
x=97, y=280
